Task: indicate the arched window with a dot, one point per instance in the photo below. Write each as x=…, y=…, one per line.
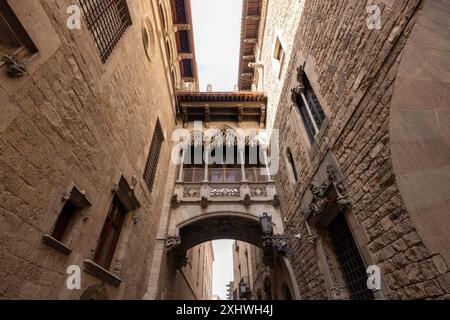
x=168, y=51
x=291, y=166
x=163, y=17
x=194, y=163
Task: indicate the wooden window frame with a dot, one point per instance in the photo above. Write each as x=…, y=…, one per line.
x=64, y=219
x=113, y=223
x=75, y=203
x=16, y=28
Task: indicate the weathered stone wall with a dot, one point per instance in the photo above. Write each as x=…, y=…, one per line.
x=194, y=281
x=352, y=70
x=74, y=119
x=281, y=21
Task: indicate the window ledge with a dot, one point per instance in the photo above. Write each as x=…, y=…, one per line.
x=55, y=244
x=99, y=272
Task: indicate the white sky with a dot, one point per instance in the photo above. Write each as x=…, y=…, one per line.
x=217, y=31
x=222, y=267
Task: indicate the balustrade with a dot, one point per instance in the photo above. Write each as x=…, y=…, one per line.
x=225, y=191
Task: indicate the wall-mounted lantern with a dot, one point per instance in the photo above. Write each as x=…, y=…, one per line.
x=266, y=224
x=280, y=242
x=244, y=289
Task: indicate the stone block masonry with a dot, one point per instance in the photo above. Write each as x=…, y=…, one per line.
x=76, y=121
x=353, y=71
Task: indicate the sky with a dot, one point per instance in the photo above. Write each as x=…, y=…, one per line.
x=222, y=267
x=217, y=31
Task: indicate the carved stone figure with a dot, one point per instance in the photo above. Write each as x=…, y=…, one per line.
x=204, y=202
x=247, y=200
x=14, y=68
x=182, y=261
x=172, y=242
x=319, y=202
x=174, y=202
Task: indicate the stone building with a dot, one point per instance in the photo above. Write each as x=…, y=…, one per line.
x=256, y=279
x=114, y=168
x=195, y=278
x=222, y=184
x=242, y=271
x=360, y=98
x=87, y=115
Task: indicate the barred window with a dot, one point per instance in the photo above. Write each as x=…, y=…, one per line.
x=310, y=109
x=107, y=21
x=153, y=156
x=349, y=259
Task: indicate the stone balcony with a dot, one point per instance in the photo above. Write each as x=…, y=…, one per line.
x=223, y=192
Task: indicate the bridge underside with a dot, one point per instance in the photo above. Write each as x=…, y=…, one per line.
x=220, y=227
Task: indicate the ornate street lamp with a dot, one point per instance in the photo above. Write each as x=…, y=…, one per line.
x=280, y=242
x=244, y=289
x=266, y=224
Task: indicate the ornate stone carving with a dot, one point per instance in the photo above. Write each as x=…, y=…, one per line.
x=336, y=290
x=268, y=257
x=247, y=200
x=341, y=188
x=182, y=27
x=185, y=56
x=204, y=202
x=312, y=237
x=14, y=67
x=297, y=91
x=276, y=200
x=279, y=242
x=182, y=261
x=172, y=242
x=226, y=192
x=320, y=201
x=192, y=192
x=252, y=139
x=174, y=202
x=258, y=191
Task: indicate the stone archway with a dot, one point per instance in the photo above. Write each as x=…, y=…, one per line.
x=216, y=226
x=419, y=127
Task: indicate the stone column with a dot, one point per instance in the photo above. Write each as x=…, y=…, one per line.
x=266, y=161
x=206, y=159
x=180, y=171
x=242, y=157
